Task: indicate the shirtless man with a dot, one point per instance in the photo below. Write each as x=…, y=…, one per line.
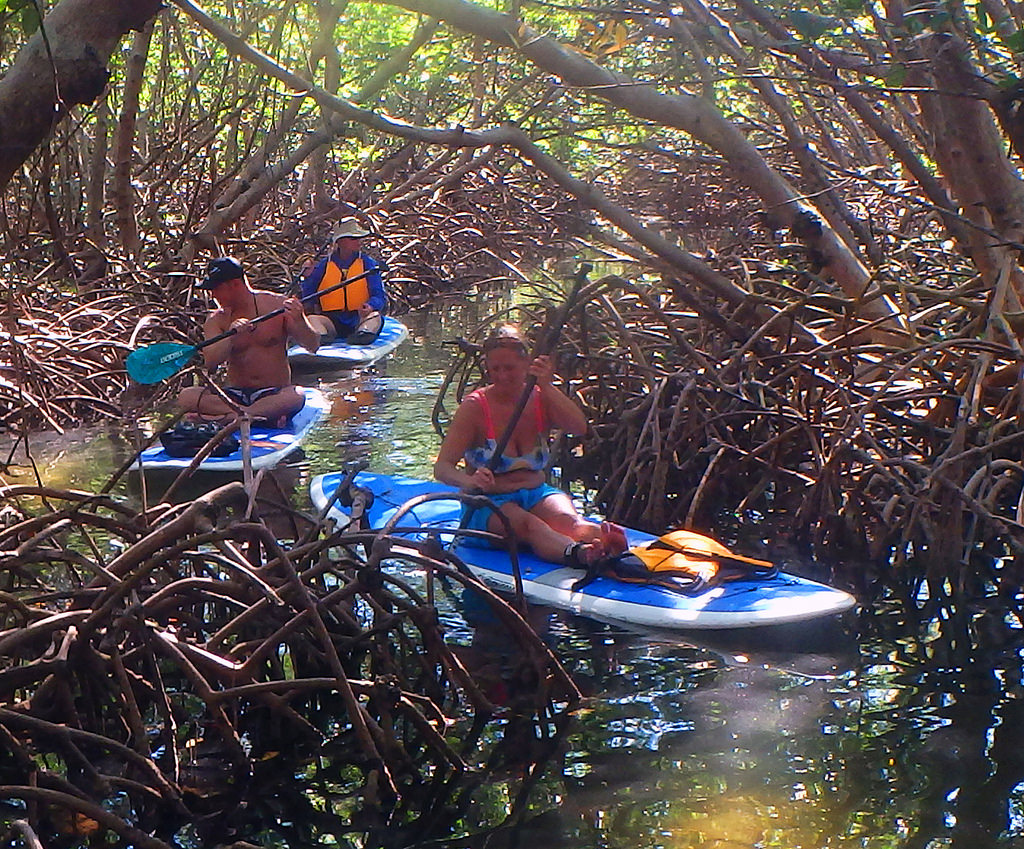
x=259, y=377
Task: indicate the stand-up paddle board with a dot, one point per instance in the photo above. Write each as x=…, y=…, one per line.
x=340, y=355
x=744, y=603
x=269, y=445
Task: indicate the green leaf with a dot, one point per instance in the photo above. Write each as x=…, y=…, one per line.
x=914, y=21
x=984, y=21
x=1015, y=41
x=3, y=5
x=29, y=19
x=896, y=76
x=1006, y=79
x=810, y=25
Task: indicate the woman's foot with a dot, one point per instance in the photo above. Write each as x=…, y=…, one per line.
x=613, y=539
x=611, y=543
x=583, y=555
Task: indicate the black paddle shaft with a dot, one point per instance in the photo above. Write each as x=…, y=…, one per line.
x=546, y=345
x=381, y=267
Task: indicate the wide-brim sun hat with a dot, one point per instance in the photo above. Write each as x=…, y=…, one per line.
x=349, y=228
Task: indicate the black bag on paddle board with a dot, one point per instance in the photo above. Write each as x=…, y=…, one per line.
x=186, y=439
x=682, y=561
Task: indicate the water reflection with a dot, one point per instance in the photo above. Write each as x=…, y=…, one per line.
x=889, y=741
x=379, y=417
x=685, y=747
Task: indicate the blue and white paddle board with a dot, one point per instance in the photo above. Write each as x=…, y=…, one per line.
x=780, y=600
x=269, y=445
x=340, y=355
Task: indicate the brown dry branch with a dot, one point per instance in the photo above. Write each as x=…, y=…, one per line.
x=175, y=667
x=870, y=454
x=704, y=405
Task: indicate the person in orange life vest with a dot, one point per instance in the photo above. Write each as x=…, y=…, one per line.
x=541, y=516
x=353, y=313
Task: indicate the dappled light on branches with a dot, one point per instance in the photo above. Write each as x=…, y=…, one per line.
x=806, y=220
x=183, y=668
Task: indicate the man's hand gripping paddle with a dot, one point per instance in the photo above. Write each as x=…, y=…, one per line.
x=153, y=363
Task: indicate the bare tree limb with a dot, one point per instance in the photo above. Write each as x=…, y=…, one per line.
x=42, y=85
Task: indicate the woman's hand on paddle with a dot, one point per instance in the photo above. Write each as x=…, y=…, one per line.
x=543, y=369
x=482, y=480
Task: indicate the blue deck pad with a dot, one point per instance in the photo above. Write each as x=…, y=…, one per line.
x=269, y=445
x=737, y=604
x=341, y=355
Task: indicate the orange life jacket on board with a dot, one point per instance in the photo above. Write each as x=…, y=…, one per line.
x=684, y=561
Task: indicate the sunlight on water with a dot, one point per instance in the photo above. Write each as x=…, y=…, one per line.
x=818, y=742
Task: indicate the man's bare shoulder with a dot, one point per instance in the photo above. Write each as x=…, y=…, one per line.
x=219, y=319
x=266, y=298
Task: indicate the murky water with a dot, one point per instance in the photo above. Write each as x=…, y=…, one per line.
x=825, y=739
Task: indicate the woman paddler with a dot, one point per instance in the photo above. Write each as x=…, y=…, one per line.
x=541, y=516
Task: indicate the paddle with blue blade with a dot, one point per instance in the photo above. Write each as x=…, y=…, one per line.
x=161, y=360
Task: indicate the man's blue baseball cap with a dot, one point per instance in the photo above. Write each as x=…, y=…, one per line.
x=220, y=271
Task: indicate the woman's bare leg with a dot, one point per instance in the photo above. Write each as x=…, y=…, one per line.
x=551, y=532
x=547, y=543
x=560, y=513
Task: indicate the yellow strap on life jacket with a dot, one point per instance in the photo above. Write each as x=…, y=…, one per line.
x=349, y=297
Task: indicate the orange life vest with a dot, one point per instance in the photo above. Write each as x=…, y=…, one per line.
x=347, y=298
x=684, y=561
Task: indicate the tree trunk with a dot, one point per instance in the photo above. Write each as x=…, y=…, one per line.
x=972, y=156
x=123, y=195
x=93, y=257
x=325, y=48
x=96, y=191
x=80, y=37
